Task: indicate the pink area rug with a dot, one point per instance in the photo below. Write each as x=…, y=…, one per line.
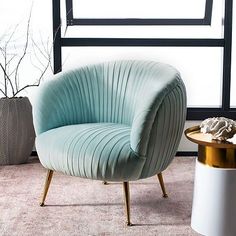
x=76, y=206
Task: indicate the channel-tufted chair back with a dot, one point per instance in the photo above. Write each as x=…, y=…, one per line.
x=147, y=96
x=115, y=121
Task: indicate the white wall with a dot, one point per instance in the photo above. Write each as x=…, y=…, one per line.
x=201, y=68
x=14, y=15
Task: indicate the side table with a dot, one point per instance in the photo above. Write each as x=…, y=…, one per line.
x=214, y=198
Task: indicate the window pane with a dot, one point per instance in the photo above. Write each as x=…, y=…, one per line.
x=202, y=74
x=139, y=8
x=233, y=75
x=213, y=31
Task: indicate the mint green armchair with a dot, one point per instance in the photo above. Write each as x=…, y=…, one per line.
x=117, y=121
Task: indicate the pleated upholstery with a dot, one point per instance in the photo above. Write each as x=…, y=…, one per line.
x=166, y=132
x=95, y=151
x=147, y=99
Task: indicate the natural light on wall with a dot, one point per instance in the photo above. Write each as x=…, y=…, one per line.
x=13, y=17
x=201, y=68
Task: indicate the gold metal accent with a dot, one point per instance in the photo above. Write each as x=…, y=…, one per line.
x=219, y=154
x=105, y=183
x=217, y=157
x=46, y=187
x=195, y=135
x=127, y=202
x=160, y=178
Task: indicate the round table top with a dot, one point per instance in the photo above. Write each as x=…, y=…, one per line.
x=195, y=135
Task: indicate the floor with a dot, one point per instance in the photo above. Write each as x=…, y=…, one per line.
x=77, y=206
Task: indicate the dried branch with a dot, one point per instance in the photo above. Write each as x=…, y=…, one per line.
x=8, y=79
x=6, y=62
x=14, y=70
x=43, y=45
x=12, y=62
x=34, y=85
x=31, y=85
x=26, y=86
x=12, y=34
x=40, y=51
x=24, y=51
x=35, y=66
x=5, y=71
x=3, y=93
x=46, y=51
x=2, y=51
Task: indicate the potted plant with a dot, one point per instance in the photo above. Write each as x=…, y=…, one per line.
x=17, y=134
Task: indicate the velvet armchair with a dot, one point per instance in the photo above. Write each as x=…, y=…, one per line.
x=116, y=121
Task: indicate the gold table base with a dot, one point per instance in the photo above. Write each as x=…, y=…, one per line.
x=217, y=157
x=213, y=153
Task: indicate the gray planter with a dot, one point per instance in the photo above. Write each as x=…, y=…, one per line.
x=16, y=130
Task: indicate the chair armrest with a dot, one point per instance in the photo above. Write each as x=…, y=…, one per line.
x=158, y=124
x=56, y=104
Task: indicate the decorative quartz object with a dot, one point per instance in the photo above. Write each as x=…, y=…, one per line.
x=220, y=128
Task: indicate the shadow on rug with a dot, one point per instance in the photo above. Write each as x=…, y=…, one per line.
x=76, y=206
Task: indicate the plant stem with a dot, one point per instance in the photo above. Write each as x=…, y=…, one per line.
x=4, y=70
x=26, y=86
x=6, y=77
x=3, y=93
x=33, y=85
x=24, y=52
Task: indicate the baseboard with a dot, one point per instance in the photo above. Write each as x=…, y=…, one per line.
x=34, y=153
x=178, y=154
x=185, y=154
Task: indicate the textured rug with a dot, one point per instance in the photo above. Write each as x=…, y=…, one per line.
x=77, y=206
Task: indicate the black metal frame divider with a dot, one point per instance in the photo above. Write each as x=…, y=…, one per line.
x=198, y=113
x=138, y=21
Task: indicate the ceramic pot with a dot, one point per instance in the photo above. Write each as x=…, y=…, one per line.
x=17, y=133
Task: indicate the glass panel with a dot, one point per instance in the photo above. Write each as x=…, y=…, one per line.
x=213, y=31
x=139, y=8
x=233, y=80
x=202, y=74
x=233, y=76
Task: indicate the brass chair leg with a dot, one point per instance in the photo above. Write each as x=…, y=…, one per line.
x=46, y=187
x=160, y=178
x=105, y=183
x=127, y=202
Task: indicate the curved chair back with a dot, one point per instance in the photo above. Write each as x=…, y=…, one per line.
x=148, y=96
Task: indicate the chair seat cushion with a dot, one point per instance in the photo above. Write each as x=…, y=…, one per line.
x=92, y=150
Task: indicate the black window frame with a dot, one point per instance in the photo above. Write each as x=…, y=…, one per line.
x=138, y=21
x=193, y=113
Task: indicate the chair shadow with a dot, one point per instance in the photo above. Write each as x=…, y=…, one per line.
x=83, y=204
x=186, y=221
x=177, y=207
x=160, y=224
x=132, y=183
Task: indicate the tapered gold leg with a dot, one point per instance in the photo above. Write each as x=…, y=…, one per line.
x=160, y=178
x=105, y=183
x=127, y=202
x=46, y=187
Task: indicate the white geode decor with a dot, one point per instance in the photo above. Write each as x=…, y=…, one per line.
x=220, y=128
